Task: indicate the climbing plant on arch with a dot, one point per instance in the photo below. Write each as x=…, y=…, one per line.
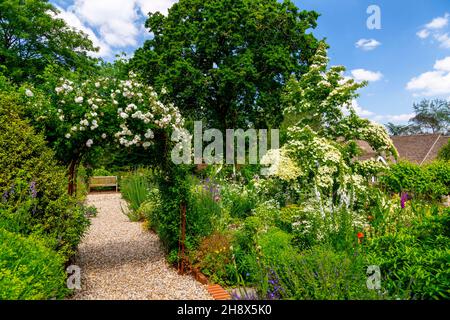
x=92, y=113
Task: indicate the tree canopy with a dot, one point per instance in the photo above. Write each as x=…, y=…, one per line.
x=228, y=61
x=431, y=116
x=32, y=38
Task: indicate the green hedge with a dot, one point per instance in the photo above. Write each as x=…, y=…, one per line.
x=33, y=187
x=429, y=181
x=29, y=270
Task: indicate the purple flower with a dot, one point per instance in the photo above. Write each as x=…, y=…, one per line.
x=275, y=290
x=33, y=190
x=5, y=196
x=245, y=296
x=403, y=200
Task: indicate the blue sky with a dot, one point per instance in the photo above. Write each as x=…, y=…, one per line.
x=408, y=59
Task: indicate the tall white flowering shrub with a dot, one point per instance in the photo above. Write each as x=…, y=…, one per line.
x=323, y=130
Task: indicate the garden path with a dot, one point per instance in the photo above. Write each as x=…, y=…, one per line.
x=119, y=259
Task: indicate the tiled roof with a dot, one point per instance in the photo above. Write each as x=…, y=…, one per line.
x=416, y=148
x=419, y=148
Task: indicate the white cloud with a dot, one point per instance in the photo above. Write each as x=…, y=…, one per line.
x=363, y=113
x=443, y=65
x=380, y=118
x=435, y=28
x=367, y=44
x=423, y=34
x=162, y=6
x=433, y=83
x=113, y=24
x=394, y=118
x=438, y=23
x=73, y=21
x=443, y=39
x=366, y=75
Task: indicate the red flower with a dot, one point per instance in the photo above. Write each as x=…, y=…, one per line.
x=360, y=237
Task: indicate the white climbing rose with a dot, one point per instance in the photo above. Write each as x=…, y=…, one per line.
x=149, y=134
x=68, y=136
x=89, y=143
x=79, y=99
x=104, y=136
x=29, y=93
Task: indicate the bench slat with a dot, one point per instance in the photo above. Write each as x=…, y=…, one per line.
x=103, y=182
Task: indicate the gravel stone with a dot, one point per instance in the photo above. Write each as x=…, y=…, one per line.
x=120, y=260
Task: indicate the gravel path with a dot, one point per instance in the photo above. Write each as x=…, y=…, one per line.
x=120, y=260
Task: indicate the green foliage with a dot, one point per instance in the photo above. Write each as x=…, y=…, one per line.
x=444, y=153
x=227, y=61
x=322, y=273
x=174, y=190
x=429, y=181
x=430, y=116
x=34, y=38
x=415, y=260
x=214, y=258
x=101, y=172
x=33, y=185
x=29, y=270
x=135, y=188
x=239, y=200
x=202, y=213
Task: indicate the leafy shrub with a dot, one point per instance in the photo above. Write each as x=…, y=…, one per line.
x=33, y=185
x=148, y=211
x=430, y=181
x=414, y=261
x=214, y=258
x=101, y=172
x=240, y=201
x=203, y=212
x=268, y=212
x=276, y=246
x=444, y=153
x=29, y=269
x=337, y=227
x=322, y=273
x=247, y=235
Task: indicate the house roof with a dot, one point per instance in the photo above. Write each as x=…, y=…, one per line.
x=420, y=148
x=415, y=148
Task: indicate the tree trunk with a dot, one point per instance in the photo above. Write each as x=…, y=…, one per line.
x=72, y=178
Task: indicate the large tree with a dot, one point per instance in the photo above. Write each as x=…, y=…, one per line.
x=31, y=38
x=431, y=116
x=227, y=61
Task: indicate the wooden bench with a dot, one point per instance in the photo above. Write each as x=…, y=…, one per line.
x=97, y=182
